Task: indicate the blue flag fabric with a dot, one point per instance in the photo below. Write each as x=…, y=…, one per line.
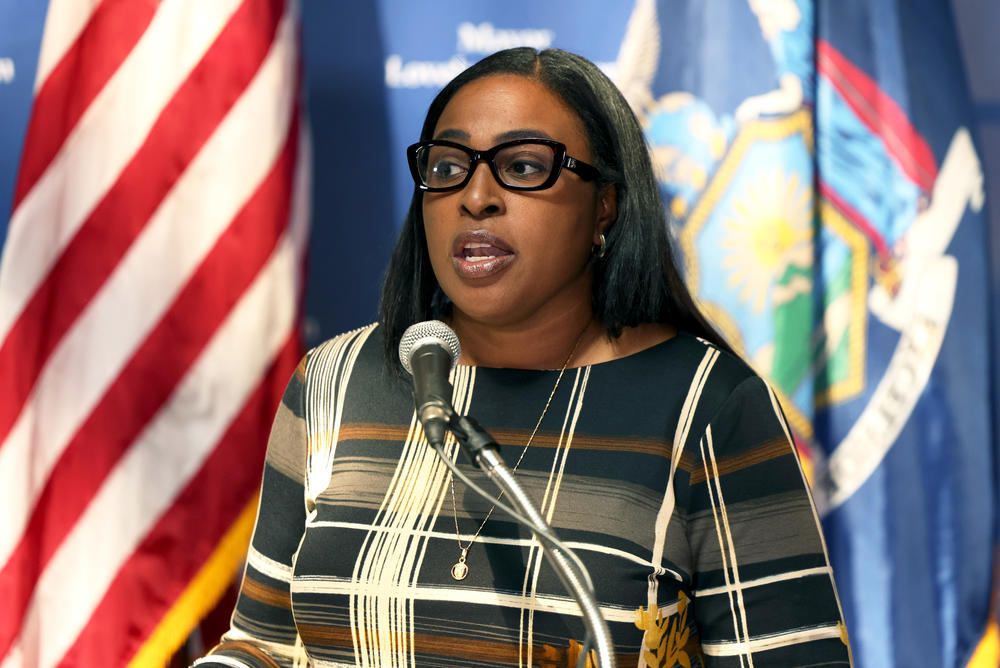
x=829, y=201
x=908, y=477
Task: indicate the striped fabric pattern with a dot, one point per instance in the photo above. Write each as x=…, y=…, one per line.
x=670, y=473
x=149, y=289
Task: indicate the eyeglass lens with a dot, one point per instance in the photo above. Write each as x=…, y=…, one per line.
x=522, y=165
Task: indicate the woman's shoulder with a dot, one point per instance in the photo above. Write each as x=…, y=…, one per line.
x=340, y=356
x=363, y=338
x=728, y=370
x=685, y=354
x=697, y=367
x=355, y=337
x=732, y=392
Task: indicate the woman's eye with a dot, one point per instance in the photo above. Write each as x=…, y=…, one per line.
x=446, y=170
x=525, y=169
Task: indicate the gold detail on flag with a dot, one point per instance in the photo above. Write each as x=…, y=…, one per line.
x=853, y=323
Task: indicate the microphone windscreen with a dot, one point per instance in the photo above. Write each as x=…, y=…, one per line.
x=428, y=332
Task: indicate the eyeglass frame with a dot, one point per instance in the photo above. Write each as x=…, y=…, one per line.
x=561, y=160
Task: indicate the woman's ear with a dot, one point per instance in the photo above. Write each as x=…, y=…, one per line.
x=607, y=209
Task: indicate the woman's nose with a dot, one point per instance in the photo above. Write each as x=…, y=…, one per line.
x=482, y=195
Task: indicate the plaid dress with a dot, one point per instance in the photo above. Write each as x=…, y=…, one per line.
x=669, y=472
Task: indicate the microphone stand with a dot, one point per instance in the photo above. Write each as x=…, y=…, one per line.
x=483, y=451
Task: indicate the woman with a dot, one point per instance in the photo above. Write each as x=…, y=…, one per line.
x=536, y=231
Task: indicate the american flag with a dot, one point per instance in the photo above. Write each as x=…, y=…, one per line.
x=149, y=300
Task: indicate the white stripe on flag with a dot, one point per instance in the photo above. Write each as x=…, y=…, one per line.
x=175, y=444
x=212, y=190
x=64, y=21
x=88, y=163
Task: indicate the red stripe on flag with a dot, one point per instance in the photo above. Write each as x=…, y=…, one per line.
x=171, y=554
x=856, y=218
x=105, y=41
x=187, y=121
x=880, y=114
x=148, y=379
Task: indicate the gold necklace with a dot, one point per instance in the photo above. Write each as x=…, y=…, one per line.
x=461, y=570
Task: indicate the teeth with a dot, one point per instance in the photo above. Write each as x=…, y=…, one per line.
x=479, y=258
x=477, y=244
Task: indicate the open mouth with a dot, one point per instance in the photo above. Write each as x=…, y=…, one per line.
x=479, y=254
x=477, y=251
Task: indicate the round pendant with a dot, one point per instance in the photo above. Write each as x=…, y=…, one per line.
x=459, y=570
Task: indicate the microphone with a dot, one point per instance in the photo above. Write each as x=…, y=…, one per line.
x=428, y=350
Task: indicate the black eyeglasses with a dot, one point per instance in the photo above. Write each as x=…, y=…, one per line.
x=522, y=164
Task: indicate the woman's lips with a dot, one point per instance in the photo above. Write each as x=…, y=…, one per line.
x=479, y=254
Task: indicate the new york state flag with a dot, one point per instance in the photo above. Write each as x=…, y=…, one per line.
x=828, y=197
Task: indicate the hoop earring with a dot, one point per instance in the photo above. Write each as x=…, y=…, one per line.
x=602, y=248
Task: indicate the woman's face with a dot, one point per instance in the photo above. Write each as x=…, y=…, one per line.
x=507, y=258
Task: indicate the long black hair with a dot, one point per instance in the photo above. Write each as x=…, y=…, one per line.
x=636, y=282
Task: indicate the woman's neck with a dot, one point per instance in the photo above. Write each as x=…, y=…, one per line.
x=548, y=345
x=541, y=345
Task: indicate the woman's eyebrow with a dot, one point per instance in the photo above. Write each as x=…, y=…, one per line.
x=509, y=135
x=524, y=133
